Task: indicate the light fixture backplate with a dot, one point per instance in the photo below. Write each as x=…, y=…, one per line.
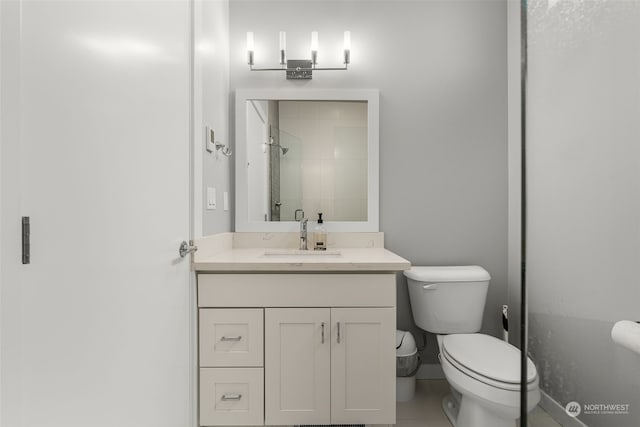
x=299, y=69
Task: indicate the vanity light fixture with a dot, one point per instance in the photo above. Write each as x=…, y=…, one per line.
x=299, y=68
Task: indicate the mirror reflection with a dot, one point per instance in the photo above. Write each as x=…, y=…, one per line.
x=305, y=158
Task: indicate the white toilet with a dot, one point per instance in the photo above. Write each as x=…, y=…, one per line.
x=483, y=371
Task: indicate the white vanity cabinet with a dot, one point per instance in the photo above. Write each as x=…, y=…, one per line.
x=328, y=343
x=329, y=366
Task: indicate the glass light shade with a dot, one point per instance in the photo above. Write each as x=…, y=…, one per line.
x=347, y=40
x=283, y=40
x=314, y=40
x=250, y=41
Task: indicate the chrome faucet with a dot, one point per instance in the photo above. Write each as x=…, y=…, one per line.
x=303, y=234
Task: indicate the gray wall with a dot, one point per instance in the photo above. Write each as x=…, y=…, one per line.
x=584, y=201
x=211, y=106
x=441, y=68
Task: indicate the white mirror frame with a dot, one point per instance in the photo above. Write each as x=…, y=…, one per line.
x=371, y=96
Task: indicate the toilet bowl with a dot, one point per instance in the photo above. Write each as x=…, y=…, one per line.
x=486, y=373
x=483, y=371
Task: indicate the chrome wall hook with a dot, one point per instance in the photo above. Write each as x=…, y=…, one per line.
x=223, y=148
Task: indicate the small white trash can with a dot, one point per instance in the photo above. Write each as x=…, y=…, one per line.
x=407, y=365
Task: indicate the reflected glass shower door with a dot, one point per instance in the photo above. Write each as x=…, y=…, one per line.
x=583, y=207
x=285, y=175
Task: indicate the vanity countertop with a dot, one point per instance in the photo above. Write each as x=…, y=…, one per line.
x=261, y=259
x=228, y=257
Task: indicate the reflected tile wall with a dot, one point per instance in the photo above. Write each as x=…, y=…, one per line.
x=326, y=170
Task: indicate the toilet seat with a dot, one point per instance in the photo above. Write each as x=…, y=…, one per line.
x=488, y=360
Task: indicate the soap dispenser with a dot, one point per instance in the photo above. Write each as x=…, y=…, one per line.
x=320, y=235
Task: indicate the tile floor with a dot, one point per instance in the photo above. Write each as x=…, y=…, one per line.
x=425, y=409
x=539, y=418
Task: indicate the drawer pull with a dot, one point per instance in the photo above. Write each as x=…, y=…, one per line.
x=231, y=396
x=235, y=338
x=338, y=332
x=322, y=332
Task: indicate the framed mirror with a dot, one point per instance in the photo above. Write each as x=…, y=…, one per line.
x=304, y=152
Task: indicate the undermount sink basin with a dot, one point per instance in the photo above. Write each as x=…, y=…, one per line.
x=298, y=253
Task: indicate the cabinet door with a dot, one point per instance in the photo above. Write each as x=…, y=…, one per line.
x=363, y=366
x=297, y=366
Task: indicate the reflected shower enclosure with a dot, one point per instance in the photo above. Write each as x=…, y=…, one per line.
x=307, y=157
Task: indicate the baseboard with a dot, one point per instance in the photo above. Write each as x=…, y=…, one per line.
x=430, y=371
x=557, y=412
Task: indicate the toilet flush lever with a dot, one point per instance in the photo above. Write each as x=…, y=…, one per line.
x=431, y=287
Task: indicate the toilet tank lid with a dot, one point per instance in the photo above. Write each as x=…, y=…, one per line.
x=466, y=273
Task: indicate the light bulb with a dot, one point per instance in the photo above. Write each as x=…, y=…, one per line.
x=283, y=47
x=250, y=48
x=347, y=48
x=250, y=41
x=347, y=40
x=314, y=41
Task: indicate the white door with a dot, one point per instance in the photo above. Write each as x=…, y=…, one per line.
x=363, y=366
x=297, y=370
x=95, y=150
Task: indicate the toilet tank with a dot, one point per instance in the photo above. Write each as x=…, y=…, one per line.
x=448, y=300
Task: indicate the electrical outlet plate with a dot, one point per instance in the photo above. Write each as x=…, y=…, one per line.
x=209, y=139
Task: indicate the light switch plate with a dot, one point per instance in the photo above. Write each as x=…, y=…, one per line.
x=209, y=139
x=211, y=198
x=225, y=200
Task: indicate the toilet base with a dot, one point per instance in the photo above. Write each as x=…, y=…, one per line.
x=450, y=408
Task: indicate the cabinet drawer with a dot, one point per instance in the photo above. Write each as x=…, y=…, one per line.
x=297, y=290
x=231, y=337
x=231, y=396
